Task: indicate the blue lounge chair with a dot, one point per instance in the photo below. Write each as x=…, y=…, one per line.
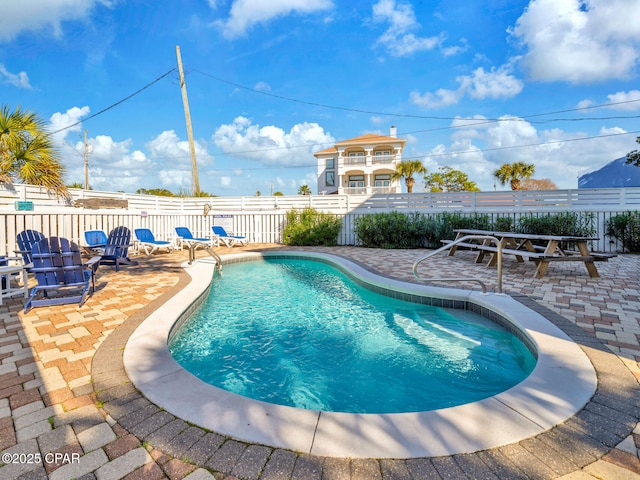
x=117, y=247
x=221, y=235
x=185, y=235
x=26, y=240
x=95, y=241
x=61, y=274
x=149, y=243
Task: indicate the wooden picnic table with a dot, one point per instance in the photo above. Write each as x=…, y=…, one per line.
x=541, y=249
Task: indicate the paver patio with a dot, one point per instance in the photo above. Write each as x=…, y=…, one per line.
x=67, y=409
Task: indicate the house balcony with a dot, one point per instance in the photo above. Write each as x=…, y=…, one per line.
x=351, y=161
x=374, y=161
x=369, y=190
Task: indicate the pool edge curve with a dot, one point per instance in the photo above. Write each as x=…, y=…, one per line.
x=562, y=382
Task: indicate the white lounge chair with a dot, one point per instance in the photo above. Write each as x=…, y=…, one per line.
x=149, y=243
x=185, y=236
x=229, y=240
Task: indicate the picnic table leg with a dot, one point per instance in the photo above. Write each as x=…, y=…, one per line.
x=591, y=267
x=544, y=264
x=481, y=253
x=494, y=256
x=526, y=244
x=453, y=249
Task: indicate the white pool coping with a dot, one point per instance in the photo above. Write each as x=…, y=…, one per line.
x=562, y=382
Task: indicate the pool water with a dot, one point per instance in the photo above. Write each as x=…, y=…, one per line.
x=301, y=333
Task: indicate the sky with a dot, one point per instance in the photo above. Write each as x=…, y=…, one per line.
x=468, y=84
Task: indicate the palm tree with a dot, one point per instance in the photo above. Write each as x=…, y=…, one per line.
x=27, y=153
x=514, y=173
x=407, y=169
x=304, y=190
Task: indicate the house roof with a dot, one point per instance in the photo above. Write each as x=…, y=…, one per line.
x=370, y=138
x=361, y=140
x=327, y=150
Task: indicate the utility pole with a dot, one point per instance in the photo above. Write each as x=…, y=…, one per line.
x=86, y=162
x=195, y=190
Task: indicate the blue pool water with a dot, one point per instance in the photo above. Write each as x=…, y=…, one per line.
x=301, y=333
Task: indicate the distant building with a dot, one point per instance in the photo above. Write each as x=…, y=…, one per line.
x=361, y=165
x=614, y=174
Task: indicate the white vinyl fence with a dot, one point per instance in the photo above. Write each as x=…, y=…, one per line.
x=261, y=219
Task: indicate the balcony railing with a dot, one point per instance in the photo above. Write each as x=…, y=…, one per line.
x=383, y=159
x=366, y=190
x=370, y=160
x=354, y=190
x=354, y=160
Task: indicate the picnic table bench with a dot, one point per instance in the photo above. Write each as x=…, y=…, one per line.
x=541, y=249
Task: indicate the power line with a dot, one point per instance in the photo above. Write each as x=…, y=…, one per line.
x=466, y=122
x=115, y=104
x=431, y=117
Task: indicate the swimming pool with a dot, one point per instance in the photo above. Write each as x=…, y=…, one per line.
x=301, y=333
x=562, y=381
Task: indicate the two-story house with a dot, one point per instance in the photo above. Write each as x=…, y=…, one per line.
x=361, y=165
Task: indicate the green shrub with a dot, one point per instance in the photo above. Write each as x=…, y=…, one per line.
x=446, y=223
x=393, y=230
x=577, y=224
x=625, y=227
x=503, y=224
x=310, y=227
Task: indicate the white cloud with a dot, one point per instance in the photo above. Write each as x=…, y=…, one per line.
x=168, y=146
x=496, y=83
x=629, y=101
x=440, y=98
x=19, y=80
x=580, y=41
x=175, y=180
x=271, y=145
x=245, y=14
x=36, y=15
x=109, y=153
x=112, y=165
x=479, y=149
x=586, y=103
x=60, y=121
x=262, y=87
x=398, y=39
x=456, y=49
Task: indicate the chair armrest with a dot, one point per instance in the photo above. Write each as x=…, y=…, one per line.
x=92, y=261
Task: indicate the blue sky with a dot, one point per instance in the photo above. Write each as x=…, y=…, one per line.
x=468, y=84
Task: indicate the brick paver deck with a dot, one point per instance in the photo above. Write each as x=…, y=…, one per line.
x=67, y=409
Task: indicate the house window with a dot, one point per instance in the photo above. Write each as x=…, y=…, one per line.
x=330, y=163
x=330, y=179
x=382, y=180
x=356, y=181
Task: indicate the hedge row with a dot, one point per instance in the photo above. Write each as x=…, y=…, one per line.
x=416, y=230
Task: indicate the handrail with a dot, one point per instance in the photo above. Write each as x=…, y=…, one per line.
x=459, y=279
x=193, y=246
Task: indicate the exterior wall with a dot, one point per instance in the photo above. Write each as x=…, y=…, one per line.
x=323, y=170
x=361, y=166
